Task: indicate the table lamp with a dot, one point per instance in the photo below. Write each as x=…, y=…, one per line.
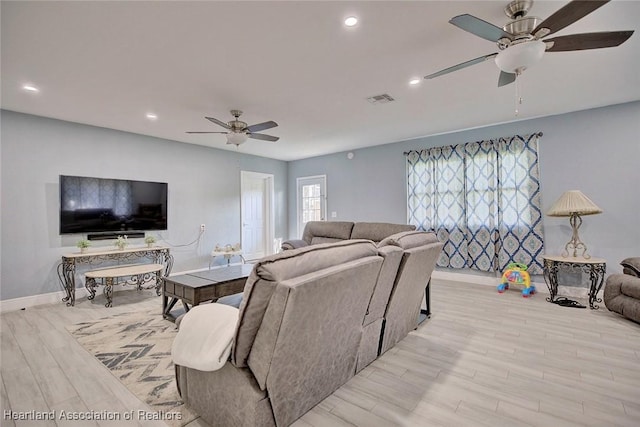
x=574, y=204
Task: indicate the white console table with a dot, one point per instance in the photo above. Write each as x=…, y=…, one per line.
x=67, y=268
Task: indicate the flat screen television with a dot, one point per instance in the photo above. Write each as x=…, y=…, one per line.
x=94, y=205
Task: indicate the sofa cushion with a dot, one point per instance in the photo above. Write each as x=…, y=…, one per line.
x=273, y=269
x=294, y=244
x=340, y=230
x=391, y=255
x=317, y=240
x=409, y=239
x=631, y=288
x=377, y=231
x=631, y=266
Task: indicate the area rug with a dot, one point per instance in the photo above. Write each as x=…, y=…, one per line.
x=136, y=347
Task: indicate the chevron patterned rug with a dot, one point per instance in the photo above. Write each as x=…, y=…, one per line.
x=136, y=347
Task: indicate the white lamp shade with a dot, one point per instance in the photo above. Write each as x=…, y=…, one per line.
x=236, y=138
x=571, y=202
x=521, y=56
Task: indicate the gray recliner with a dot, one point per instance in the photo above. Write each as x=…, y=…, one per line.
x=297, y=338
x=420, y=254
x=622, y=291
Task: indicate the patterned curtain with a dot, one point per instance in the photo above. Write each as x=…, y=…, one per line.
x=483, y=201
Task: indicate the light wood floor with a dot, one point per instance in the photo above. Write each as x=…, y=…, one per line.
x=483, y=359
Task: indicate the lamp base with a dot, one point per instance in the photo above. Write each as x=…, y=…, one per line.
x=575, y=244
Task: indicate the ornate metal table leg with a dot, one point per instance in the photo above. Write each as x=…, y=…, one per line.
x=90, y=284
x=67, y=276
x=140, y=281
x=596, y=274
x=159, y=280
x=551, y=278
x=108, y=291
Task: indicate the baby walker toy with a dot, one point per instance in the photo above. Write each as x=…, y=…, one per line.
x=516, y=273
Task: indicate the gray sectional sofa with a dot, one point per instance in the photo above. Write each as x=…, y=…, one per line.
x=310, y=319
x=316, y=232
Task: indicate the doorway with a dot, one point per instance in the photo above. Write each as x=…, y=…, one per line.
x=311, y=200
x=256, y=212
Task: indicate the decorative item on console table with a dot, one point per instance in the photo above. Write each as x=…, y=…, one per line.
x=574, y=204
x=67, y=267
x=121, y=242
x=83, y=245
x=227, y=252
x=149, y=240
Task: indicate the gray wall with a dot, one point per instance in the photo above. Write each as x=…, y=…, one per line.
x=204, y=187
x=596, y=151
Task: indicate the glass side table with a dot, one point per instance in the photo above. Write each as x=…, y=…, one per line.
x=595, y=267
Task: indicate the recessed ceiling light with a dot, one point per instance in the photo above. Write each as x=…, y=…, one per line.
x=414, y=81
x=152, y=116
x=30, y=88
x=351, y=21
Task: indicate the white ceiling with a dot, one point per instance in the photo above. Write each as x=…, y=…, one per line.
x=109, y=63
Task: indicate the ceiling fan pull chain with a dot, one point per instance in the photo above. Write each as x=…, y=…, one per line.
x=518, y=93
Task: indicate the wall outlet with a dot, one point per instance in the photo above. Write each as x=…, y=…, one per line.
x=334, y=214
x=201, y=227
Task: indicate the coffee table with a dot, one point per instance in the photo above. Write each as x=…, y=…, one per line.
x=195, y=288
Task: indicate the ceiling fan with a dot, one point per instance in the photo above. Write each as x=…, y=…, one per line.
x=520, y=41
x=238, y=131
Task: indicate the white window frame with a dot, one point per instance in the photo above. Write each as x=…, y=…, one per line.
x=323, y=195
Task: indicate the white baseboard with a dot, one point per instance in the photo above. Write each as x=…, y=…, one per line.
x=22, y=303
x=541, y=287
x=492, y=281
x=31, y=301
x=56, y=297
x=466, y=278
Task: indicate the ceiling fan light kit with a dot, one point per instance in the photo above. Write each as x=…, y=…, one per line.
x=520, y=56
x=236, y=138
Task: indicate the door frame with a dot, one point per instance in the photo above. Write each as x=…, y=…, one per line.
x=323, y=195
x=269, y=217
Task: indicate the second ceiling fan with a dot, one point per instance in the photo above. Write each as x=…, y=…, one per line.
x=520, y=41
x=238, y=131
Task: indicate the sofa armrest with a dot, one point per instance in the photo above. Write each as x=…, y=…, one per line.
x=205, y=337
x=631, y=266
x=293, y=244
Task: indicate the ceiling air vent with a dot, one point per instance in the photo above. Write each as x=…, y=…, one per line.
x=380, y=99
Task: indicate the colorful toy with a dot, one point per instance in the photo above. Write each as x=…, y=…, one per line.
x=516, y=273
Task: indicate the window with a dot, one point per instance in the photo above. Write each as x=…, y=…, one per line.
x=483, y=201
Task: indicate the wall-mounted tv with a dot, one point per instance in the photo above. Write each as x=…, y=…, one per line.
x=94, y=205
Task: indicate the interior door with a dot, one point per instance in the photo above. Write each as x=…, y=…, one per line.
x=257, y=224
x=311, y=200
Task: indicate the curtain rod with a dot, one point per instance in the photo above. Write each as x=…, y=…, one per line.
x=538, y=134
